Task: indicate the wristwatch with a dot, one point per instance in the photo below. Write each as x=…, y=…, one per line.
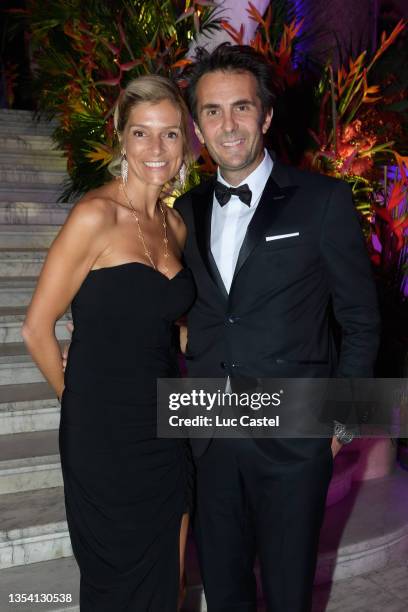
x=343, y=435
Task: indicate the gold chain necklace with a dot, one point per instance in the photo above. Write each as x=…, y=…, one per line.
x=141, y=236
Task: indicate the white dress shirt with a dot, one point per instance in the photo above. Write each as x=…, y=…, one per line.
x=229, y=223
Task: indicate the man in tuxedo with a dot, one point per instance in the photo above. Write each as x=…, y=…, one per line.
x=272, y=250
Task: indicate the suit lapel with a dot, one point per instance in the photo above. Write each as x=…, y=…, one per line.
x=202, y=207
x=278, y=190
x=275, y=196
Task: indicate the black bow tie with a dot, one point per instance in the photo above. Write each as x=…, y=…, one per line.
x=224, y=193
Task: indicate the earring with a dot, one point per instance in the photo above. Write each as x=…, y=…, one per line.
x=124, y=168
x=183, y=175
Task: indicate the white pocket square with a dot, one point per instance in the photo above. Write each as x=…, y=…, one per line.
x=280, y=236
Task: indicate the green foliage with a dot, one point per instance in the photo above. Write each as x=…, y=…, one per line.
x=86, y=52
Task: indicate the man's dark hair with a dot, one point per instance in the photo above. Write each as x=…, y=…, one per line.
x=231, y=58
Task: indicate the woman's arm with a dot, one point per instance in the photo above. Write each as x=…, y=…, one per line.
x=81, y=240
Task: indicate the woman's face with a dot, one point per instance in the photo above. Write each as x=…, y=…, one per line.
x=153, y=142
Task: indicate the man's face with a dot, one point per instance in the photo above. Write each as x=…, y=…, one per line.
x=230, y=122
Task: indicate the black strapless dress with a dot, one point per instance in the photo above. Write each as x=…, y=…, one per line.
x=125, y=489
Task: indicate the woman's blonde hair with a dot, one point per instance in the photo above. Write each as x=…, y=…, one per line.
x=150, y=88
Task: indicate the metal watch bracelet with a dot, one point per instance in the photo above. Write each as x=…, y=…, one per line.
x=343, y=435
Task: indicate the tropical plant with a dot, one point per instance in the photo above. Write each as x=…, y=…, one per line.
x=351, y=126
x=275, y=37
x=355, y=139
x=86, y=52
x=357, y=131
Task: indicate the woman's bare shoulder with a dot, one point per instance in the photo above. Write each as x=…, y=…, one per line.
x=96, y=208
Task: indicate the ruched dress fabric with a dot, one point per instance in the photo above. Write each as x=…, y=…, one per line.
x=125, y=489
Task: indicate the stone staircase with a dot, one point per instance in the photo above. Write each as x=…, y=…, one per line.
x=366, y=524
x=35, y=552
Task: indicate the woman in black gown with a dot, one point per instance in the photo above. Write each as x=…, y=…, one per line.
x=117, y=259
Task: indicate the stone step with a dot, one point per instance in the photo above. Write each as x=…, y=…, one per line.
x=33, y=213
x=16, y=365
x=16, y=291
x=377, y=457
x=383, y=591
x=25, y=192
x=33, y=160
x=27, y=142
x=30, y=236
x=16, y=128
x=359, y=536
x=28, y=407
x=24, y=176
x=33, y=527
x=9, y=114
x=60, y=576
x=18, y=124
x=11, y=320
x=365, y=531
x=21, y=262
x=345, y=465
x=29, y=461
x=21, y=116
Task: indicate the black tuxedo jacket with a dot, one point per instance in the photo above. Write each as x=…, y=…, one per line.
x=275, y=321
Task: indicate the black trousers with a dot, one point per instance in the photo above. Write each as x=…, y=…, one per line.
x=251, y=503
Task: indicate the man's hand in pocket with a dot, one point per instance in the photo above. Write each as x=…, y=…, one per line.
x=70, y=328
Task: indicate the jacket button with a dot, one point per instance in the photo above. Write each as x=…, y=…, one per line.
x=223, y=365
x=231, y=318
x=235, y=365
